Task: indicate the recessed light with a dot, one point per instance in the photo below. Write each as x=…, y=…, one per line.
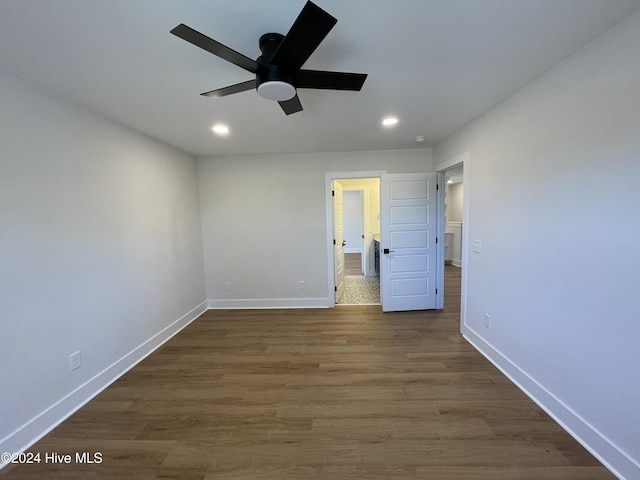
x=419, y=138
x=389, y=121
x=220, y=129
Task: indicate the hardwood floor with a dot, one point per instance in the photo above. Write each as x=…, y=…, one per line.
x=352, y=264
x=343, y=393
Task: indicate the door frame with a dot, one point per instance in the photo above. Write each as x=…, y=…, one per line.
x=329, y=177
x=463, y=159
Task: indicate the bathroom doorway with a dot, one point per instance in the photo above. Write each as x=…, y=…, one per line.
x=361, y=228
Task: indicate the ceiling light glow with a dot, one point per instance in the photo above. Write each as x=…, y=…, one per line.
x=220, y=129
x=389, y=121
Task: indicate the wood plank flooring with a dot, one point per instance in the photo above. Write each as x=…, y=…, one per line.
x=353, y=264
x=344, y=393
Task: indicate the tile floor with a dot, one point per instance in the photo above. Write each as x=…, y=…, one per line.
x=361, y=290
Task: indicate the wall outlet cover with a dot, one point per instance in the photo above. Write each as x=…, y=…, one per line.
x=75, y=361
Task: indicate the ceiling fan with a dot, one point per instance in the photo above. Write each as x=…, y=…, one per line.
x=278, y=71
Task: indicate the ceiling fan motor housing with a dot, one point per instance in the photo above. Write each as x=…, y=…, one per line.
x=272, y=81
x=278, y=71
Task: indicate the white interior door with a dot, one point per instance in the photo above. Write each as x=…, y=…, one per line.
x=338, y=238
x=408, y=221
x=353, y=219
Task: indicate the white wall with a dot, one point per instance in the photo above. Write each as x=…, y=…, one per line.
x=559, y=265
x=100, y=251
x=264, y=225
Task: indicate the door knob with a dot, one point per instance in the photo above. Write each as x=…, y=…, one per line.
x=386, y=250
x=344, y=242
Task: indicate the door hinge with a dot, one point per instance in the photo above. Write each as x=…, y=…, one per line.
x=437, y=186
x=333, y=193
x=436, y=239
x=436, y=291
x=334, y=241
x=335, y=289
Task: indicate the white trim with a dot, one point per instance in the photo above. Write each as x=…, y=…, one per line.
x=328, y=178
x=612, y=457
x=440, y=228
x=454, y=161
x=463, y=159
x=466, y=218
x=43, y=423
x=268, y=303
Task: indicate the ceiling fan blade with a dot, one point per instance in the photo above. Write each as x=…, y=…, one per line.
x=231, y=89
x=330, y=80
x=292, y=105
x=212, y=46
x=306, y=33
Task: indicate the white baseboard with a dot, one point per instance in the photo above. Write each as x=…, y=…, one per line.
x=267, y=303
x=36, y=428
x=595, y=442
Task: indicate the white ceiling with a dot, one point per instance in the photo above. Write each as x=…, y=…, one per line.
x=435, y=64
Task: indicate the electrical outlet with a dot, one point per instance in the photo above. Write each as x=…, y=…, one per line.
x=487, y=320
x=227, y=287
x=301, y=285
x=75, y=361
x=476, y=246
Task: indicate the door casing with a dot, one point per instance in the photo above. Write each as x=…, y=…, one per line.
x=331, y=267
x=338, y=238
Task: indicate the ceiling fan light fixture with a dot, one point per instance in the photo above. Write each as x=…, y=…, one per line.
x=276, y=90
x=278, y=71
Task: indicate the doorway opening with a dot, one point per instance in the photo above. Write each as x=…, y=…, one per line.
x=353, y=231
x=455, y=221
x=407, y=253
x=453, y=215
